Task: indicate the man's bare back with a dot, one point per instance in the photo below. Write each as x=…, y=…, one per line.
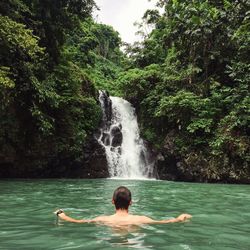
x=123, y=218
x=122, y=201
x=129, y=219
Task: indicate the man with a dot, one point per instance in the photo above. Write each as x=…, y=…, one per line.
x=122, y=201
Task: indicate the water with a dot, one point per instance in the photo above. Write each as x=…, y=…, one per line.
x=125, y=151
x=221, y=215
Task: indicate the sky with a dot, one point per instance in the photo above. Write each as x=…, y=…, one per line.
x=122, y=14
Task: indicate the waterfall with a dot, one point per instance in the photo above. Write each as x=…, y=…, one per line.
x=126, y=153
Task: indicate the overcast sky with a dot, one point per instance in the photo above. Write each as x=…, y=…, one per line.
x=122, y=14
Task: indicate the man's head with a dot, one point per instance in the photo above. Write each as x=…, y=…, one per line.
x=122, y=198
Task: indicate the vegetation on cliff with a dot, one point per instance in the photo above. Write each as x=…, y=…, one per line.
x=190, y=83
x=52, y=55
x=188, y=79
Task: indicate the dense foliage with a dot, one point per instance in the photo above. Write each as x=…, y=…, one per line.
x=188, y=79
x=190, y=83
x=49, y=103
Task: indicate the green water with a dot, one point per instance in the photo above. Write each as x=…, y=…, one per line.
x=221, y=215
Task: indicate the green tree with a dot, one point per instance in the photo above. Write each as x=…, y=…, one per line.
x=196, y=108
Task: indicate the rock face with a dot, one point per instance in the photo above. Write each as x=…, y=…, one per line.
x=152, y=171
x=166, y=161
x=171, y=166
x=192, y=167
x=116, y=135
x=111, y=134
x=94, y=161
x=106, y=104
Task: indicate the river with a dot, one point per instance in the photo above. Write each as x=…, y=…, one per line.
x=221, y=215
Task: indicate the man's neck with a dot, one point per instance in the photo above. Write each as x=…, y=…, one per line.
x=121, y=212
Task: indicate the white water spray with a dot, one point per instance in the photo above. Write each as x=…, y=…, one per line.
x=125, y=150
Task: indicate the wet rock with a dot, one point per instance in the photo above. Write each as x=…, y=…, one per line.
x=105, y=138
x=149, y=157
x=166, y=160
x=117, y=137
x=94, y=160
x=106, y=106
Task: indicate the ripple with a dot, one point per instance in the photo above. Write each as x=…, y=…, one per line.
x=220, y=215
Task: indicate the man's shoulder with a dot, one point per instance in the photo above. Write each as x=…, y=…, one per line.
x=142, y=219
x=101, y=218
x=131, y=219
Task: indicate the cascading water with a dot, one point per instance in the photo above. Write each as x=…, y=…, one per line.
x=125, y=151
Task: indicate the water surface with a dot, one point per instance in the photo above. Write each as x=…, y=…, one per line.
x=221, y=215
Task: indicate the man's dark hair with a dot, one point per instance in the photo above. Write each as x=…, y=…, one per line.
x=122, y=198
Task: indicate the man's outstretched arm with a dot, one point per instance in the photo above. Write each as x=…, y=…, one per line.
x=60, y=213
x=180, y=218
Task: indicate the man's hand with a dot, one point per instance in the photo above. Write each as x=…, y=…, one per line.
x=184, y=217
x=59, y=211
